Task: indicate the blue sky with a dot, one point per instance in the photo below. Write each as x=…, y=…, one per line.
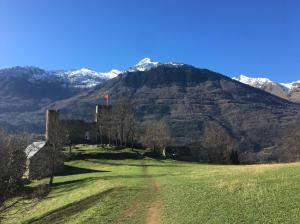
x=257, y=37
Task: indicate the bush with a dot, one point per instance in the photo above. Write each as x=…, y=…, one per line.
x=12, y=166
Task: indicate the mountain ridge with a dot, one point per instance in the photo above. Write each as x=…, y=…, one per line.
x=194, y=102
x=289, y=91
x=69, y=92
x=77, y=78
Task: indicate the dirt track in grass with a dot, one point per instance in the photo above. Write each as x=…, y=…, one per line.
x=153, y=214
x=147, y=205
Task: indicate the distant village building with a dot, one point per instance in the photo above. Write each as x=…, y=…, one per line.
x=79, y=132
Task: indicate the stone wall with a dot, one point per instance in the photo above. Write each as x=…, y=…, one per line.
x=39, y=166
x=80, y=131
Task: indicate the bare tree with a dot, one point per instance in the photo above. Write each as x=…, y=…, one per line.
x=109, y=126
x=58, y=138
x=121, y=111
x=121, y=125
x=12, y=166
x=150, y=136
x=157, y=137
x=130, y=129
x=102, y=124
x=116, y=125
x=290, y=147
x=218, y=143
x=164, y=137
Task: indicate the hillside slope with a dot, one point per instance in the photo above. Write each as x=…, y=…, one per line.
x=25, y=92
x=197, y=104
x=96, y=189
x=289, y=91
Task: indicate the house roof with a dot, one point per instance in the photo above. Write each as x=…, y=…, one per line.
x=33, y=148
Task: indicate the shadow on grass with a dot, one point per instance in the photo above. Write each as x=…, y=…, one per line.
x=143, y=176
x=107, y=155
x=73, y=182
x=136, y=165
x=62, y=188
x=58, y=215
x=42, y=190
x=73, y=170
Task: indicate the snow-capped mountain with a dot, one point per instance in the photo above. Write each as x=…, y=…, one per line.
x=79, y=78
x=28, y=90
x=292, y=86
x=144, y=65
x=290, y=91
x=255, y=82
x=85, y=77
x=147, y=64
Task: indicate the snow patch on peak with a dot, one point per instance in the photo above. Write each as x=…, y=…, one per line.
x=264, y=82
x=147, y=64
x=85, y=77
x=144, y=65
x=255, y=82
x=81, y=72
x=144, y=61
x=112, y=74
x=291, y=86
x=174, y=64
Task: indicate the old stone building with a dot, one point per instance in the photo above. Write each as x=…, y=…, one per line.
x=38, y=160
x=77, y=131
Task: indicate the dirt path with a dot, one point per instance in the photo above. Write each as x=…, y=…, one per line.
x=153, y=214
x=147, y=203
x=129, y=213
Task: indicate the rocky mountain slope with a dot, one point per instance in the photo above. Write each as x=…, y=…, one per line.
x=289, y=91
x=28, y=90
x=198, y=105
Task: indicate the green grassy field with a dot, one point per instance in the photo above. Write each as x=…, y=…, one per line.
x=100, y=188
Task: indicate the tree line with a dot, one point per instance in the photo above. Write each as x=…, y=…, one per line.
x=12, y=169
x=117, y=126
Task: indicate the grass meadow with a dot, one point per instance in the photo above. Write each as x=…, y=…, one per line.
x=98, y=186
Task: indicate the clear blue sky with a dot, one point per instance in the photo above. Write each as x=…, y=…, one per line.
x=257, y=37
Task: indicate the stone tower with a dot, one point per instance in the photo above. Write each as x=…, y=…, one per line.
x=52, y=117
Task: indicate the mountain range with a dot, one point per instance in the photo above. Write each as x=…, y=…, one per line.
x=198, y=104
x=85, y=78
x=289, y=91
x=195, y=103
x=25, y=90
